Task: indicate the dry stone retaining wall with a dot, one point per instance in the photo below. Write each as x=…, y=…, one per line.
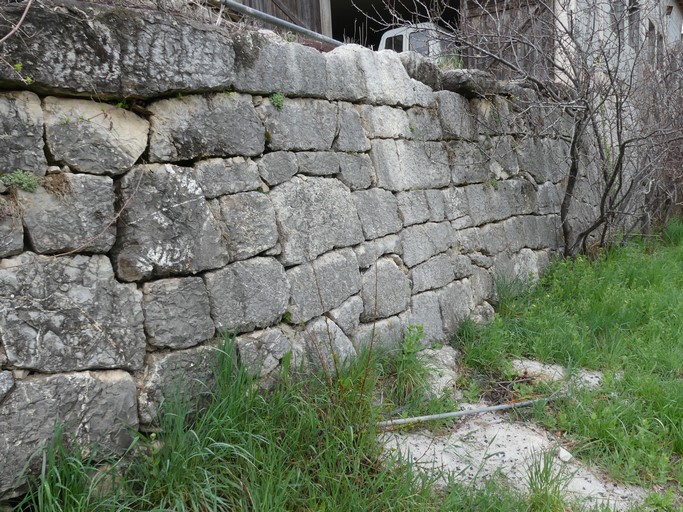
x=364, y=202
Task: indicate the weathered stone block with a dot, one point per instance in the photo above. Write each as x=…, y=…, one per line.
x=386, y=333
x=6, y=384
x=356, y=170
x=378, y=212
x=550, y=198
x=316, y=163
x=469, y=161
x=522, y=265
x=385, y=290
x=407, y=165
x=423, y=241
x=323, y=284
x=167, y=226
x=11, y=229
x=545, y=159
x=384, y=122
x=300, y=125
x=462, y=265
x=218, y=176
x=347, y=316
x=424, y=124
x=68, y=314
x=177, y=312
x=482, y=285
x=456, y=303
x=457, y=120
x=413, y=207
x=249, y=224
x=425, y=310
x=278, y=167
x=437, y=205
x=262, y=351
x=70, y=212
x=433, y=273
x=456, y=207
x=89, y=407
x=327, y=345
x=199, y=126
x=91, y=137
x=21, y=131
x=350, y=136
x=493, y=115
x=265, y=63
x=183, y=373
x=369, y=252
x=500, y=200
x=421, y=69
x=247, y=294
x=314, y=215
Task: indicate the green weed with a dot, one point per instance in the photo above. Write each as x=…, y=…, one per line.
x=23, y=180
x=277, y=100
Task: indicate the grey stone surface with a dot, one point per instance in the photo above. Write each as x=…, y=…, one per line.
x=413, y=207
x=482, y=285
x=523, y=265
x=384, y=122
x=219, y=176
x=247, y=294
x=264, y=63
x=167, y=227
x=461, y=264
x=177, y=312
x=70, y=212
x=408, y=165
x=425, y=310
x=198, y=126
x=323, y=284
x=378, y=212
x=347, y=315
x=355, y=170
x=386, y=333
x=111, y=53
x=355, y=73
x=68, y=314
x=421, y=69
x=318, y=163
x=90, y=407
x=492, y=115
x=550, y=197
x=483, y=313
x=182, y=373
x=91, y=137
x=249, y=224
x=327, y=345
x=314, y=215
x=422, y=241
x=433, y=273
x=545, y=159
x=262, y=351
x=11, y=229
x=385, y=290
x=469, y=162
x=350, y=135
x=277, y=167
x=6, y=384
x=300, y=125
x=457, y=119
x=501, y=159
x=21, y=131
x=369, y=252
x=456, y=302
x=437, y=205
x=499, y=200
x=456, y=207
x=424, y=124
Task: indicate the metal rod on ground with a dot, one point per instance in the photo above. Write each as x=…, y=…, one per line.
x=278, y=22
x=457, y=414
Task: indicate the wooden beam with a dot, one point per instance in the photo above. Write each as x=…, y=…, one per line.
x=293, y=17
x=326, y=18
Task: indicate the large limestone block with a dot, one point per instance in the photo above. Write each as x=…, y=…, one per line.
x=421, y=68
x=323, y=284
x=550, y=196
x=167, y=226
x=495, y=201
x=355, y=73
x=417, y=206
x=300, y=125
x=70, y=212
x=457, y=209
x=67, y=314
x=249, y=224
x=314, y=215
x=177, y=312
x=369, y=252
x=455, y=114
x=384, y=122
x=11, y=229
x=386, y=333
x=114, y=53
x=425, y=310
x=261, y=352
x=407, y=165
x=327, y=346
x=385, y=290
x=355, y=170
x=91, y=137
x=277, y=167
x=493, y=116
x=422, y=241
x=350, y=136
x=347, y=315
x=318, y=163
x=456, y=302
x=219, y=176
x=168, y=376
x=264, y=63
x=21, y=132
x=199, y=126
x=470, y=162
x=378, y=212
x=522, y=265
x=545, y=159
x=433, y=273
x=90, y=408
x=247, y=295
x=424, y=124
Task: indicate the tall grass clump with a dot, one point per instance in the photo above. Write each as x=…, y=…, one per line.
x=621, y=313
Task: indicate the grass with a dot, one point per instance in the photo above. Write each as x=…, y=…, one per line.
x=621, y=314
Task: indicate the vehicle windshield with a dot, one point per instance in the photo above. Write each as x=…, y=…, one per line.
x=419, y=42
x=394, y=43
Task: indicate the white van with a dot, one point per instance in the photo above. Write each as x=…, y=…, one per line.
x=421, y=38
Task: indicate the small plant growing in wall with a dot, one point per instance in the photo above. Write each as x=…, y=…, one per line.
x=277, y=100
x=23, y=180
